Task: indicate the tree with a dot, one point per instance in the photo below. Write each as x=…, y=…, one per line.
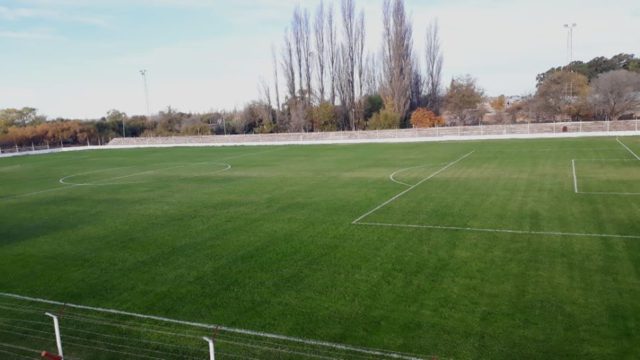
x=324, y=117
x=306, y=50
x=563, y=93
x=425, y=118
x=463, y=99
x=435, y=60
x=297, y=28
x=276, y=79
x=288, y=65
x=372, y=105
x=348, y=63
x=417, y=87
x=117, y=120
x=499, y=104
x=596, y=66
x=616, y=93
x=397, y=58
x=333, y=53
x=320, y=47
x=19, y=117
x=385, y=119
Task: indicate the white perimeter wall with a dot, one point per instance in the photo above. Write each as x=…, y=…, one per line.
x=488, y=132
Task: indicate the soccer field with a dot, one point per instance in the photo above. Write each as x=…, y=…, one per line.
x=479, y=249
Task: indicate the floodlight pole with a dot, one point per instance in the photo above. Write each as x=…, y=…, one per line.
x=570, y=41
x=212, y=350
x=56, y=327
x=146, y=90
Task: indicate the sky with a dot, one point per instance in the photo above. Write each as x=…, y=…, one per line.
x=81, y=58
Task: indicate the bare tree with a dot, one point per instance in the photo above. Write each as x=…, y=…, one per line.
x=348, y=49
x=321, y=56
x=371, y=75
x=297, y=28
x=616, y=93
x=265, y=92
x=288, y=65
x=417, y=86
x=360, y=37
x=434, y=67
x=397, y=58
x=276, y=78
x=332, y=44
x=307, y=51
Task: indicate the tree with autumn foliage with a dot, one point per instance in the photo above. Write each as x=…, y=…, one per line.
x=425, y=118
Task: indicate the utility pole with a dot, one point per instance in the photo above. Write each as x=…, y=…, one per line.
x=146, y=90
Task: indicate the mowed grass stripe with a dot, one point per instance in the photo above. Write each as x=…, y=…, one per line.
x=270, y=246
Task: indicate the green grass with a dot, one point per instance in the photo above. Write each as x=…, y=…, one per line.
x=269, y=244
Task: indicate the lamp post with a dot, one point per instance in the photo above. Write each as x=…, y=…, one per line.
x=570, y=42
x=146, y=90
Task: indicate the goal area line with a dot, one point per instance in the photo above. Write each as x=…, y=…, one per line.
x=576, y=188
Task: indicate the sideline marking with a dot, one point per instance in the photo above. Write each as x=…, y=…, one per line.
x=412, y=187
x=217, y=327
x=626, y=147
x=507, y=231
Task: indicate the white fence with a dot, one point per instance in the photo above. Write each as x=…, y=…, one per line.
x=536, y=130
x=458, y=133
x=84, y=332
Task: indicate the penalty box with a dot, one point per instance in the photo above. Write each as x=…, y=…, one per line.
x=606, y=176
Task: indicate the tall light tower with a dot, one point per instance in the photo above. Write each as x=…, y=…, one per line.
x=146, y=90
x=570, y=42
x=570, y=28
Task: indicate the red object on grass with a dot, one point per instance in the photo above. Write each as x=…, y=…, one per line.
x=50, y=356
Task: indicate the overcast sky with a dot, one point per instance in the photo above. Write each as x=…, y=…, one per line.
x=80, y=58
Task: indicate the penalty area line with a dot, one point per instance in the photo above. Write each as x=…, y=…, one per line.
x=503, y=231
x=412, y=187
x=629, y=150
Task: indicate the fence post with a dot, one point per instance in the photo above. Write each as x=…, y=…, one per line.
x=33, y=148
x=17, y=150
x=212, y=350
x=56, y=327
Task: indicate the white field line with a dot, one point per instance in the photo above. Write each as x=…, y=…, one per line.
x=609, y=193
x=102, y=182
x=505, y=231
x=37, y=192
x=216, y=327
x=607, y=160
x=392, y=176
x=626, y=147
x=64, y=181
x=575, y=177
x=411, y=188
x=71, y=185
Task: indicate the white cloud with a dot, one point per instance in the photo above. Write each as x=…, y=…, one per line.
x=502, y=43
x=16, y=14
x=28, y=35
